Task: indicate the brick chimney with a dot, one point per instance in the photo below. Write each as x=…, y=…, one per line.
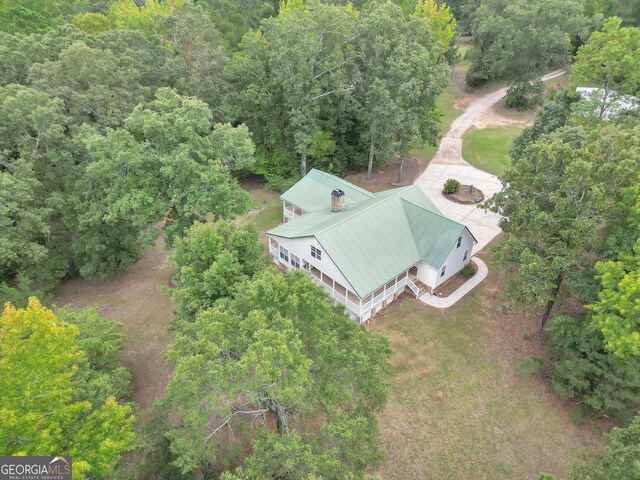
x=337, y=200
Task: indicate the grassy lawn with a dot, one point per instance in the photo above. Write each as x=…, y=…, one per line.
x=488, y=149
x=265, y=210
x=457, y=408
x=268, y=217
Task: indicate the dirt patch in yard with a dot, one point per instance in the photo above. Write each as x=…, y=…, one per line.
x=386, y=177
x=462, y=103
x=132, y=297
x=455, y=282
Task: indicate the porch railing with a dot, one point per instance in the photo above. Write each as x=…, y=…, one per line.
x=361, y=308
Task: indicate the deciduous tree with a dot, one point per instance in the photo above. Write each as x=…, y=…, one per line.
x=38, y=416
x=166, y=161
x=517, y=40
x=617, y=312
x=403, y=71
x=556, y=205
x=211, y=259
x=609, y=60
x=279, y=350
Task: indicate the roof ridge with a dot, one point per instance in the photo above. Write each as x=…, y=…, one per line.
x=438, y=213
x=374, y=202
x=360, y=189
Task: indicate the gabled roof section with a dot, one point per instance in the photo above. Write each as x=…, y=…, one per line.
x=433, y=234
x=313, y=192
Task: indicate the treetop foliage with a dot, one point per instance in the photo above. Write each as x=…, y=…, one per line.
x=211, y=259
x=609, y=61
x=617, y=311
x=279, y=348
x=38, y=362
x=517, y=40
x=135, y=113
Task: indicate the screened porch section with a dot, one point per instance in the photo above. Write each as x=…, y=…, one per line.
x=361, y=308
x=290, y=212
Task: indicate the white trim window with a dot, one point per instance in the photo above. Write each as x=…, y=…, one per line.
x=295, y=261
x=466, y=254
x=284, y=253
x=316, y=253
x=443, y=271
x=459, y=241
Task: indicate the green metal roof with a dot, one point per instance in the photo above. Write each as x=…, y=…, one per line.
x=433, y=234
x=375, y=240
x=313, y=192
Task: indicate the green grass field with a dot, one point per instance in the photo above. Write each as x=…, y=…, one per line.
x=488, y=149
x=265, y=209
x=457, y=407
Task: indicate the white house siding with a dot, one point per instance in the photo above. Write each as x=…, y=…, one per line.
x=454, y=263
x=301, y=247
x=371, y=304
x=426, y=274
x=454, y=260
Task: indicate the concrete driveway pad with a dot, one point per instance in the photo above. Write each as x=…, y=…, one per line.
x=448, y=163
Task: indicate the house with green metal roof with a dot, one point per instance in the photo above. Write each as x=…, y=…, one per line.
x=367, y=248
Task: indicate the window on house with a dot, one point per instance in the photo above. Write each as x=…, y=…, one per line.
x=444, y=269
x=284, y=253
x=316, y=253
x=459, y=241
x=466, y=254
x=295, y=261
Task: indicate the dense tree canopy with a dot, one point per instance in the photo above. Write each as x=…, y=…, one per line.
x=558, y=197
x=211, y=260
x=517, y=40
x=94, y=150
x=278, y=352
x=320, y=97
x=38, y=412
x=617, y=311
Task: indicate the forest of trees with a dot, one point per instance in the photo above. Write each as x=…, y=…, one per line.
x=129, y=115
x=124, y=120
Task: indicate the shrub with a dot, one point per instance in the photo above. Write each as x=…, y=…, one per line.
x=451, y=186
x=532, y=364
x=468, y=271
x=524, y=95
x=278, y=183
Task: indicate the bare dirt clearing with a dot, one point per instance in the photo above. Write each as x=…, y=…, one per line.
x=132, y=297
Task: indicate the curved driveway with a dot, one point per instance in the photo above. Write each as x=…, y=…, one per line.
x=448, y=163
